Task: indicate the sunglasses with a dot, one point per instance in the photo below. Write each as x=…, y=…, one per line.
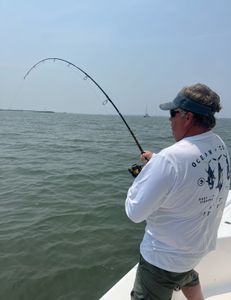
x=173, y=113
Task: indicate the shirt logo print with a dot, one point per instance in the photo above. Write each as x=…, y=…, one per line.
x=211, y=178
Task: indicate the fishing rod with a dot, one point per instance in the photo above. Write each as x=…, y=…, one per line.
x=135, y=169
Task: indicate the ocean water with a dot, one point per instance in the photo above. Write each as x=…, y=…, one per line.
x=64, y=234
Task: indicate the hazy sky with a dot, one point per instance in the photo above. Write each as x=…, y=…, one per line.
x=141, y=52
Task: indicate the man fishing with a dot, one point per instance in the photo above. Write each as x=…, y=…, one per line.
x=180, y=193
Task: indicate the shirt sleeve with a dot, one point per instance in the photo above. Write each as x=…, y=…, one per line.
x=150, y=188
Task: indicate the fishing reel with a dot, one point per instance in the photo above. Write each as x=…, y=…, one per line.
x=135, y=170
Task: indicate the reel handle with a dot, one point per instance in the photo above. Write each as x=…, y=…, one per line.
x=135, y=168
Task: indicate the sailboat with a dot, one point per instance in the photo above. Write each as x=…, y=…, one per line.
x=146, y=115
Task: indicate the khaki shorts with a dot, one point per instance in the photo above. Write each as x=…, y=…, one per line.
x=153, y=283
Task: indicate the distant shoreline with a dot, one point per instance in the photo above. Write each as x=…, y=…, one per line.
x=36, y=111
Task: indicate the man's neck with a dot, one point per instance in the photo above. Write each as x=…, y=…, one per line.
x=195, y=130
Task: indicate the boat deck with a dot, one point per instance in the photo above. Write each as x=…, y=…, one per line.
x=214, y=269
x=226, y=296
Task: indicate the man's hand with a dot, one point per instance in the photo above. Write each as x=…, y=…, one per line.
x=146, y=156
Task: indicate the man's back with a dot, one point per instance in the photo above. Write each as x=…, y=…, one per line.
x=184, y=219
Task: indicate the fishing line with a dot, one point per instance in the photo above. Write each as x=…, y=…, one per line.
x=135, y=169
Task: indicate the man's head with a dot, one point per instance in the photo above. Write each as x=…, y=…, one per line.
x=197, y=103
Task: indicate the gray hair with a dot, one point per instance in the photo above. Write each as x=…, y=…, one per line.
x=203, y=94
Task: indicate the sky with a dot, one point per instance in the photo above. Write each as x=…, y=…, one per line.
x=140, y=52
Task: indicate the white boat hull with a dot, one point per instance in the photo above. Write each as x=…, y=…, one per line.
x=214, y=269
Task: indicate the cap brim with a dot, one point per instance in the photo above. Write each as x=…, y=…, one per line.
x=168, y=106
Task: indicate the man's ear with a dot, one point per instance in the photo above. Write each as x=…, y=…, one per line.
x=189, y=116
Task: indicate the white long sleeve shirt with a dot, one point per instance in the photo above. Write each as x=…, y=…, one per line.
x=181, y=193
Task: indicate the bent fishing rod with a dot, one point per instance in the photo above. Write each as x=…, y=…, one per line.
x=133, y=170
